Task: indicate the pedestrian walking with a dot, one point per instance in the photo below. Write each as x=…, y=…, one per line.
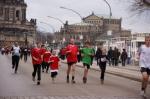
x=37, y=61
x=54, y=65
x=16, y=56
x=144, y=62
x=71, y=54
x=25, y=53
x=102, y=64
x=123, y=57
x=21, y=52
x=86, y=53
x=129, y=57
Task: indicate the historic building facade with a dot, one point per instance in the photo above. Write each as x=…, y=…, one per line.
x=14, y=27
x=93, y=27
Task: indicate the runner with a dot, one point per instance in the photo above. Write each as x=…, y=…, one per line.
x=37, y=61
x=15, y=56
x=144, y=62
x=71, y=54
x=86, y=53
x=42, y=51
x=46, y=58
x=62, y=53
x=102, y=64
x=54, y=65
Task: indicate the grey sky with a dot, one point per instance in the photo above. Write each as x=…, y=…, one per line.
x=40, y=9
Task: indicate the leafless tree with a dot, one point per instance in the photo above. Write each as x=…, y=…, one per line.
x=140, y=7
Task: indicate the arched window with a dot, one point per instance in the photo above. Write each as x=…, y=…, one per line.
x=17, y=14
x=1, y=11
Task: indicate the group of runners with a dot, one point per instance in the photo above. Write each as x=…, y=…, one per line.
x=43, y=59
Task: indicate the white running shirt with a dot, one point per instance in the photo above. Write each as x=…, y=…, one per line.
x=16, y=50
x=144, y=56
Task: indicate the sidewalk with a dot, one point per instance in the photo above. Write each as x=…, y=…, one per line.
x=129, y=71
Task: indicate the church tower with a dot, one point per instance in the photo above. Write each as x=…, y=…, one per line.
x=14, y=27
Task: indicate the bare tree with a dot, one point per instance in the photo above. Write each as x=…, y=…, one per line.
x=140, y=7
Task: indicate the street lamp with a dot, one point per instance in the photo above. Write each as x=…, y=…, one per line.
x=109, y=32
x=73, y=11
x=44, y=29
x=110, y=12
x=60, y=22
x=49, y=25
x=56, y=19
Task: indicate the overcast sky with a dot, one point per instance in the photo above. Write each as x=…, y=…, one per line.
x=40, y=9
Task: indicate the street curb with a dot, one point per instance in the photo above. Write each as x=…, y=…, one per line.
x=115, y=73
x=124, y=68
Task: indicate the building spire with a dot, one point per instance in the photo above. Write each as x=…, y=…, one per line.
x=92, y=12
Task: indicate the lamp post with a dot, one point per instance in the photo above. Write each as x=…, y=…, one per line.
x=56, y=19
x=44, y=29
x=110, y=11
x=49, y=25
x=109, y=32
x=75, y=13
x=60, y=22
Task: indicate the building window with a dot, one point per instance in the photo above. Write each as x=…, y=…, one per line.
x=23, y=14
x=1, y=11
x=17, y=14
x=7, y=14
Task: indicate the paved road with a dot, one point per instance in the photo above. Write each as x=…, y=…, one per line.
x=14, y=85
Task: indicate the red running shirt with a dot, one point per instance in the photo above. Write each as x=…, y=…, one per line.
x=46, y=56
x=42, y=51
x=35, y=52
x=54, y=64
x=63, y=51
x=71, y=53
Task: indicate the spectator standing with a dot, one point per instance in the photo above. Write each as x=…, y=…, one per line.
x=110, y=56
x=123, y=57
